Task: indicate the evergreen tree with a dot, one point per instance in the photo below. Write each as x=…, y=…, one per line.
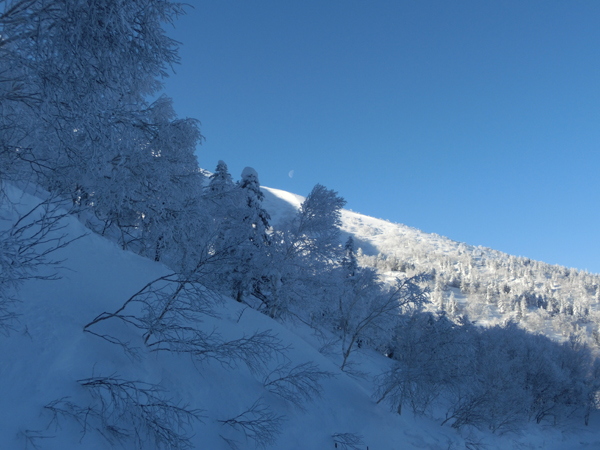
x=254, y=215
x=220, y=183
x=349, y=259
x=253, y=239
x=437, y=297
x=228, y=235
x=452, y=305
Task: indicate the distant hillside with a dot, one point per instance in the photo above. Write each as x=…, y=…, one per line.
x=488, y=285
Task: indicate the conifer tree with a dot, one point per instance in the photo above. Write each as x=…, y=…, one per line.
x=255, y=216
x=253, y=237
x=349, y=259
x=452, y=305
x=220, y=183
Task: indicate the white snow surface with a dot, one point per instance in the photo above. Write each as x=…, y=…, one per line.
x=43, y=359
x=371, y=234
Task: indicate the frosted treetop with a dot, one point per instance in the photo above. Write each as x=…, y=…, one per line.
x=249, y=172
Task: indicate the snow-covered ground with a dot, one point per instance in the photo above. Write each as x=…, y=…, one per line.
x=45, y=358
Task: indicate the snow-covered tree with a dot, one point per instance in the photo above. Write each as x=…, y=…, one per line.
x=255, y=216
x=252, y=238
x=349, y=260
x=223, y=202
x=497, y=378
x=431, y=355
x=452, y=305
x=76, y=76
x=221, y=184
x=302, y=254
x=318, y=223
x=437, y=297
x=368, y=309
x=239, y=232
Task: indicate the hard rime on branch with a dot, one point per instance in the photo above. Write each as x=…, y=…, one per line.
x=74, y=78
x=301, y=255
x=298, y=384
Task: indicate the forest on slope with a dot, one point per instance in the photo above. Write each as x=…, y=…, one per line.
x=489, y=286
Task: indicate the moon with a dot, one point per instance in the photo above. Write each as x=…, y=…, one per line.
x=291, y=174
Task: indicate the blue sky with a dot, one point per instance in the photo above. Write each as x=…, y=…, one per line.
x=479, y=121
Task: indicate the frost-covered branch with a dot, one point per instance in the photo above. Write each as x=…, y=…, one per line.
x=255, y=350
x=365, y=306
x=169, y=311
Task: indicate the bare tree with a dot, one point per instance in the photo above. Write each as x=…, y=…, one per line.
x=348, y=441
x=298, y=384
x=32, y=438
x=257, y=423
x=170, y=311
x=130, y=410
x=28, y=238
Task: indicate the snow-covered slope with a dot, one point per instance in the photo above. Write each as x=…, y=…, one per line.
x=374, y=235
x=49, y=366
x=488, y=285
x=48, y=354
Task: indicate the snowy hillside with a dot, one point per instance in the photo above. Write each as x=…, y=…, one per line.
x=148, y=304
x=62, y=387
x=47, y=359
x=488, y=285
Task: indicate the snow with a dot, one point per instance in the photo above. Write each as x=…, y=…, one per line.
x=249, y=172
x=280, y=205
x=43, y=359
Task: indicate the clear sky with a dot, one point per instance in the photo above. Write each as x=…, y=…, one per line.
x=476, y=120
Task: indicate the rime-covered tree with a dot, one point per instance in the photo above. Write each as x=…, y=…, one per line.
x=364, y=310
x=255, y=216
x=452, y=305
x=238, y=235
x=251, y=237
x=437, y=297
x=302, y=254
x=220, y=183
x=74, y=78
